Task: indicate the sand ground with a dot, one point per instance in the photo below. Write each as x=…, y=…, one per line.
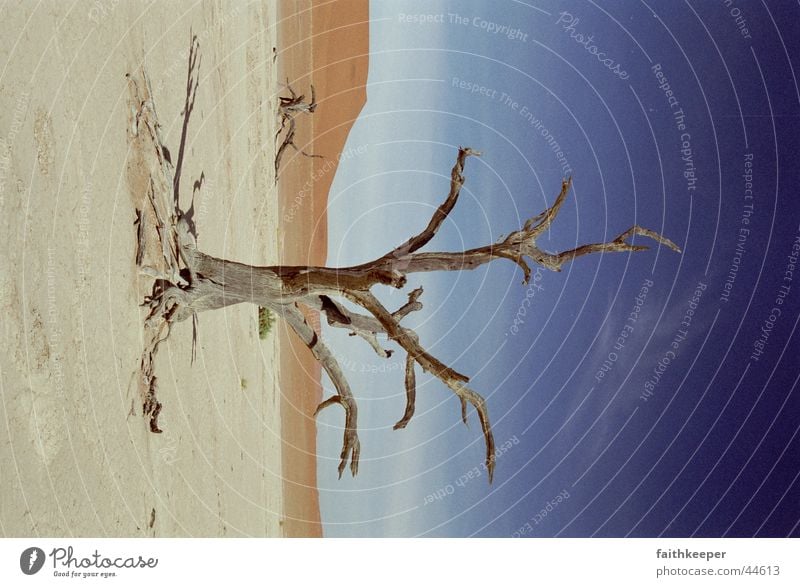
x=238, y=453
x=74, y=461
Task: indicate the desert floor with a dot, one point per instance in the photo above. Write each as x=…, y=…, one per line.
x=237, y=455
x=76, y=456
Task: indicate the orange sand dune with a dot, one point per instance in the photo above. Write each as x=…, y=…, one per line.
x=325, y=44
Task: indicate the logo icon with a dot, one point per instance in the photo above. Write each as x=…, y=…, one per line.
x=31, y=560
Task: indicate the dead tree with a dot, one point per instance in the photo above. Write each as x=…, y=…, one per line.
x=288, y=110
x=188, y=282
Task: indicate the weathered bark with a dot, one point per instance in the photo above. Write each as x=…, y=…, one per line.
x=189, y=282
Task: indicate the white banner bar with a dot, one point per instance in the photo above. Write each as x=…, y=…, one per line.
x=353, y=562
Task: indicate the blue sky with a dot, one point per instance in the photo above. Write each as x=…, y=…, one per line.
x=713, y=450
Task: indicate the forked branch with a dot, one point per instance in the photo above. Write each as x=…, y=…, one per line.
x=351, y=446
x=451, y=378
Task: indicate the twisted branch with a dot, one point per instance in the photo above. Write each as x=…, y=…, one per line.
x=351, y=446
x=411, y=394
x=442, y=212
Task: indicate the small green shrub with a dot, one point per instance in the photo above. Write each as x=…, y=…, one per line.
x=265, y=321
